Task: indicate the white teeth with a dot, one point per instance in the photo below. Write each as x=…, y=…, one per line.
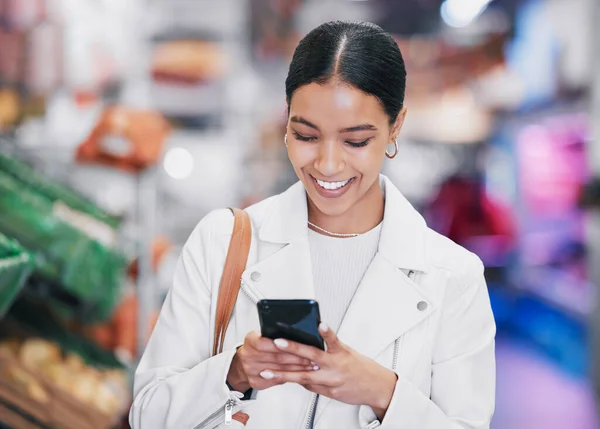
x=332, y=185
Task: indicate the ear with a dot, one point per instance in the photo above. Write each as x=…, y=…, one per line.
x=398, y=124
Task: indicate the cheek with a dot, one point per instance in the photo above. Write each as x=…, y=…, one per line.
x=368, y=162
x=301, y=155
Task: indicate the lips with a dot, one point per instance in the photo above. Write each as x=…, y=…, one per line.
x=331, y=189
x=332, y=186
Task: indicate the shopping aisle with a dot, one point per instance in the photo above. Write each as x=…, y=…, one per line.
x=533, y=393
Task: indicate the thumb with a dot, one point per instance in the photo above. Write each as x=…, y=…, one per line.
x=332, y=340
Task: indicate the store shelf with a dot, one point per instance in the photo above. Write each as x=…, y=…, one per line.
x=225, y=19
x=17, y=419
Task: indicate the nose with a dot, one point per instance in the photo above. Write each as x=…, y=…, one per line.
x=330, y=158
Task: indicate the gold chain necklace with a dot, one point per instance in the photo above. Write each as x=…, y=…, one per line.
x=333, y=234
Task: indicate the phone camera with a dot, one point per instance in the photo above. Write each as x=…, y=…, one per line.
x=266, y=310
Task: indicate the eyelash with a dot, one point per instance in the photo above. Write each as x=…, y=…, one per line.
x=310, y=139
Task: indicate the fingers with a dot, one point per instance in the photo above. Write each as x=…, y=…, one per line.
x=300, y=377
x=279, y=357
x=313, y=354
x=284, y=358
x=330, y=337
x=318, y=389
x=296, y=368
x=262, y=376
x=258, y=343
x=260, y=383
x=264, y=345
x=308, y=352
x=270, y=363
x=258, y=354
x=258, y=369
x=266, y=350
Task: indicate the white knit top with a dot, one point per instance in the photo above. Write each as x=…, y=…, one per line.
x=339, y=265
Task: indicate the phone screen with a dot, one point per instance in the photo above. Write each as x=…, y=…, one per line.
x=293, y=319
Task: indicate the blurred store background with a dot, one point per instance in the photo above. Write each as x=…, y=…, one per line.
x=124, y=122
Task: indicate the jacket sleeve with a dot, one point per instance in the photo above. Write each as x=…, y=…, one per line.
x=177, y=384
x=463, y=367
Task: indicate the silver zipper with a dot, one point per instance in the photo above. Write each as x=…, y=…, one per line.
x=229, y=412
x=222, y=414
x=311, y=411
x=250, y=293
x=396, y=354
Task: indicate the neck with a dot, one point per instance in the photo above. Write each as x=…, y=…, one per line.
x=365, y=215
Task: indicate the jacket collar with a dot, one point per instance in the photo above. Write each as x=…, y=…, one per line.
x=402, y=241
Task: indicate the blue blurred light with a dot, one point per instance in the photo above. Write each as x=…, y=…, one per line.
x=460, y=13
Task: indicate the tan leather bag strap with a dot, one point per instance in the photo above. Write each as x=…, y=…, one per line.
x=235, y=264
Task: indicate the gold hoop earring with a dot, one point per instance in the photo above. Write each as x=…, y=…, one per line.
x=285, y=140
x=395, y=152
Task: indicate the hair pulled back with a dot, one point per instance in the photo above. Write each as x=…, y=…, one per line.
x=360, y=54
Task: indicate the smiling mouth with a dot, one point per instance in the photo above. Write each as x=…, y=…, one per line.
x=332, y=186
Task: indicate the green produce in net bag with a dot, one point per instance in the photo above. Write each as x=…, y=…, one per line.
x=72, y=249
x=15, y=266
x=53, y=191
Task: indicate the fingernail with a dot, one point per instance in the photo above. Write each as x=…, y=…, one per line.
x=324, y=327
x=316, y=368
x=267, y=375
x=281, y=343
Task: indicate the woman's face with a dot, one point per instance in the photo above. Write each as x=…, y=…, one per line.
x=337, y=137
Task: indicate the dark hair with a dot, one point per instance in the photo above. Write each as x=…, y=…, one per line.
x=360, y=54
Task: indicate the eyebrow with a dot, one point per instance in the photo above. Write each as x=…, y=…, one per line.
x=362, y=127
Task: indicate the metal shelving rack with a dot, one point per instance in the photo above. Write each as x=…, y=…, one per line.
x=228, y=21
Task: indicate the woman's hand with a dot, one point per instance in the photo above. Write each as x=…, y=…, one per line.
x=344, y=374
x=257, y=355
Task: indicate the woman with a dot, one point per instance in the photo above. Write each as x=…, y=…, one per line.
x=410, y=335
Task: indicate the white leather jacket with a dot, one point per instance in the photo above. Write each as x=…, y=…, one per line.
x=422, y=310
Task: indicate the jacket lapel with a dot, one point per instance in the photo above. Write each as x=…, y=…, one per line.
x=386, y=305
x=286, y=274
x=284, y=270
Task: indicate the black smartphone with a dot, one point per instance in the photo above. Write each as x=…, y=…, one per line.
x=293, y=319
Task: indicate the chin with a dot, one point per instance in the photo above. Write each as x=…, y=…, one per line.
x=332, y=211
x=332, y=207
